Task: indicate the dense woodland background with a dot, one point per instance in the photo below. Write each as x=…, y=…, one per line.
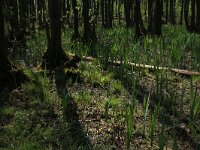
x=100, y=74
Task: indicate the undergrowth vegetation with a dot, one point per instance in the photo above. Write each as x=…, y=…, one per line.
x=117, y=107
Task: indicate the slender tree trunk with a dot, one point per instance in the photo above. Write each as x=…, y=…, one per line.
x=40, y=13
x=64, y=11
x=103, y=12
x=172, y=12
x=142, y=28
x=75, y=12
x=198, y=16
x=137, y=21
x=68, y=13
x=127, y=12
x=119, y=11
x=181, y=13
x=14, y=21
x=89, y=35
x=186, y=14
x=32, y=15
x=150, y=16
x=3, y=49
x=23, y=13
x=167, y=12
x=158, y=18
x=193, y=17
x=10, y=76
x=106, y=13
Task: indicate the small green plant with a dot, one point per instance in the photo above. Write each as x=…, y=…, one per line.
x=146, y=103
x=129, y=123
x=194, y=101
x=83, y=97
x=154, y=117
x=162, y=139
x=175, y=144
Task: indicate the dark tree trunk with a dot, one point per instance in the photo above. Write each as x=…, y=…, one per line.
x=103, y=12
x=3, y=49
x=76, y=34
x=106, y=13
x=158, y=18
x=198, y=16
x=68, y=13
x=14, y=21
x=137, y=20
x=23, y=13
x=89, y=35
x=10, y=76
x=142, y=28
x=64, y=11
x=111, y=14
x=181, y=13
x=54, y=56
x=186, y=14
x=150, y=16
x=40, y=13
x=193, y=17
x=32, y=15
x=127, y=12
x=172, y=12
x=119, y=11
x=167, y=12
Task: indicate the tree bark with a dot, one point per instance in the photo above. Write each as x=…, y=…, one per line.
x=89, y=35
x=193, y=17
x=172, y=12
x=198, y=16
x=150, y=16
x=181, y=13
x=158, y=18
x=76, y=34
x=54, y=56
x=10, y=76
x=127, y=12
x=186, y=13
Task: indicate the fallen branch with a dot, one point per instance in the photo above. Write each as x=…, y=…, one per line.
x=135, y=65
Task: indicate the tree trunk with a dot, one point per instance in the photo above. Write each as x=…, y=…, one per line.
x=68, y=13
x=103, y=12
x=172, y=12
x=64, y=11
x=158, y=18
x=89, y=35
x=40, y=13
x=14, y=21
x=186, y=13
x=193, y=17
x=127, y=12
x=23, y=13
x=181, y=13
x=32, y=15
x=167, y=12
x=198, y=16
x=76, y=34
x=10, y=76
x=150, y=16
x=54, y=56
x=137, y=21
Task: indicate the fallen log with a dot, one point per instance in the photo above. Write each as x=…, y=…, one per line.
x=136, y=65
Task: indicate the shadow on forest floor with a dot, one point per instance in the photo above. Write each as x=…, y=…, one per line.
x=76, y=138
x=167, y=116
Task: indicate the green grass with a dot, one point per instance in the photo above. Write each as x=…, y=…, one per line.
x=37, y=122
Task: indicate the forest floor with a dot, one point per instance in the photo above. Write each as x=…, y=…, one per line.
x=101, y=105
x=36, y=115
